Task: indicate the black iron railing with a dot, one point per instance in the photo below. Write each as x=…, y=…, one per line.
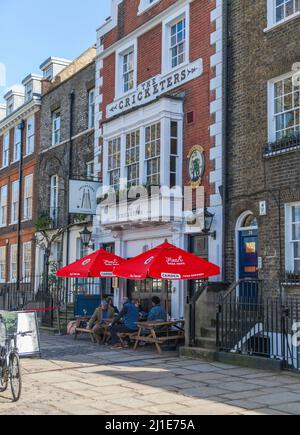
x=46, y=294
x=265, y=327
x=282, y=146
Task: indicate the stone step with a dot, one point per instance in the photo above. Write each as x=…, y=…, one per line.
x=209, y=332
x=206, y=343
x=197, y=353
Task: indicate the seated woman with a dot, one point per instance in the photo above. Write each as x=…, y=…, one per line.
x=157, y=312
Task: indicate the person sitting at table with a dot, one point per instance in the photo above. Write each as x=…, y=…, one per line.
x=129, y=316
x=157, y=312
x=102, y=313
x=111, y=304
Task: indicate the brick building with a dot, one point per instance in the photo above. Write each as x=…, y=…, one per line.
x=19, y=147
x=66, y=152
x=159, y=123
x=263, y=173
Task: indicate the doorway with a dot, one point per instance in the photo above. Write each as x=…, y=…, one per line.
x=247, y=257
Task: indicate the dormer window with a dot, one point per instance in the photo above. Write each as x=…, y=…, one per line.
x=48, y=73
x=10, y=107
x=29, y=92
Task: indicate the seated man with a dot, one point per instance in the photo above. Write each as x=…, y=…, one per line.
x=129, y=316
x=104, y=312
x=157, y=313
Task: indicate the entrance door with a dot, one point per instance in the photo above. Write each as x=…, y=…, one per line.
x=248, y=264
x=145, y=290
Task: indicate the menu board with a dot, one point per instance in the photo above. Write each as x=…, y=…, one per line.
x=18, y=322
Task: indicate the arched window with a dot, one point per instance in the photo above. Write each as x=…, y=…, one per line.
x=250, y=221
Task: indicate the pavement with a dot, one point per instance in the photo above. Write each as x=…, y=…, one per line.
x=75, y=378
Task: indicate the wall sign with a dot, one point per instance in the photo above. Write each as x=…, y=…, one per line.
x=155, y=87
x=83, y=197
x=196, y=165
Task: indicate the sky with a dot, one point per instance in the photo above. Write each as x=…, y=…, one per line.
x=31, y=31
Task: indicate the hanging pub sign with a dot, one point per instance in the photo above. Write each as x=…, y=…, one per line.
x=155, y=87
x=196, y=165
x=83, y=197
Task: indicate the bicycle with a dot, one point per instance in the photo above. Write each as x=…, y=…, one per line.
x=10, y=370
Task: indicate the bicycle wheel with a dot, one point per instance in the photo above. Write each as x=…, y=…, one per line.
x=3, y=381
x=15, y=376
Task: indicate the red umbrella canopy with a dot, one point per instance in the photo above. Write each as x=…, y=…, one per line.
x=99, y=264
x=166, y=262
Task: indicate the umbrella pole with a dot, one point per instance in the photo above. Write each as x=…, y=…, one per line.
x=166, y=288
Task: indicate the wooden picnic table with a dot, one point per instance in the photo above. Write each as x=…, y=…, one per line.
x=159, y=333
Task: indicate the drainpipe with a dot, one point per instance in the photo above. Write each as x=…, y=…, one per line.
x=70, y=171
x=226, y=42
x=21, y=127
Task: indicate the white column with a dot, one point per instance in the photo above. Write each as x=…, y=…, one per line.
x=165, y=152
x=143, y=175
x=178, y=287
x=123, y=173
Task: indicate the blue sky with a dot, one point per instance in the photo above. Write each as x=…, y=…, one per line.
x=31, y=31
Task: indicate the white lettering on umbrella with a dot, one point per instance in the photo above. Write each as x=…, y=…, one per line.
x=148, y=261
x=179, y=261
x=171, y=276
x=111, y=262
x=85, y=262
x=104, y=274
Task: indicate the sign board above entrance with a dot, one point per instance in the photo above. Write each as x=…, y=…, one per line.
x=155, y=87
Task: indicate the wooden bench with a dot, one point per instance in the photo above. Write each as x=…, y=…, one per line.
x=85, y=331
x=132, y=336
x=159, y=333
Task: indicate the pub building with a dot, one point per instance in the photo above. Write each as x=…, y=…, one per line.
x=159, y=127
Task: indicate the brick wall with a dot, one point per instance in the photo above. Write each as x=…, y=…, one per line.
x=197, y=92
x=256, y=57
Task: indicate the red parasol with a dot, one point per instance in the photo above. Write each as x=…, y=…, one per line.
x=167, y=262
x=100, y=264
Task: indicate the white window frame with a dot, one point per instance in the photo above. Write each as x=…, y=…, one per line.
x=161, y=111
x=289, y=255
x=3, y=264
x=30, y=136
x=120, y=53
x=28, y=197
x=271, y=7
x=14, y=202
x=3, y=205
x=56, y=132
x=54, y=187
x=5, y=150
x=29, y=92
x=145, y=5
x=26, y=274
x=13, y=276
x=271, y=103
x=17, y=144
x=91, y=110
x=90, y=173
x=167, y=24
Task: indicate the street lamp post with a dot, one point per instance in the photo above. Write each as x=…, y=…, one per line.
x=208, y=221
x=85, y=237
